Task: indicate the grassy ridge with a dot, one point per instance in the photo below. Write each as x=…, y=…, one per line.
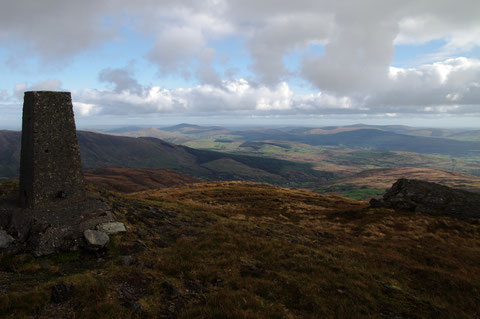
x=247, y=250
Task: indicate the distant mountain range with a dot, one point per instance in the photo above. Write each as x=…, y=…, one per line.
x=367, y=138
x=314, y=158
x=460, y=134
x=9, y=153
x=392, y=138
x=383, y=140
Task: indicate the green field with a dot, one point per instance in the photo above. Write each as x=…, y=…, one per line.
x=339, y=159
x=354, y=193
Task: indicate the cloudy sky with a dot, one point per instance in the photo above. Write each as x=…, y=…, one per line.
x=302, y=62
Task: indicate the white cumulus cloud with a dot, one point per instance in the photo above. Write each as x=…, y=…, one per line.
x=343, y=49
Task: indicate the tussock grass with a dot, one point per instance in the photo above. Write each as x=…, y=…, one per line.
x=249, y=250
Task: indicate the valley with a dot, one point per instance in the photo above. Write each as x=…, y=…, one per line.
x=108, y=151
x=359, y=170
x=357, y=161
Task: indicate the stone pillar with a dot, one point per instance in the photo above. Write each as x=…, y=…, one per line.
x=50, y=169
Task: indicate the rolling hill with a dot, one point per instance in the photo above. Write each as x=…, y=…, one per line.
x=197, y=130
x=373, y=139
x=458, y=143
x=171, y=137
x=9, y=153
x=102, y=151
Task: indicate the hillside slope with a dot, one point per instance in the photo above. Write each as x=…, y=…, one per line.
x=373, y=182
x=372, y=138
x=128, y=180
x=383, y=137
x=385, y=177
x=102, y=151
x=248, y=250
x=10, y=147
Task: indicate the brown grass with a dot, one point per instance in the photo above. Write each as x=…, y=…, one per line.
x=383, y=178
x=249, y=250
x=128, y=180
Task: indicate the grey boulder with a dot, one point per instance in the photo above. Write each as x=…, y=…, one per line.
x=96, y=238
x=112, y=228
x=5, y=239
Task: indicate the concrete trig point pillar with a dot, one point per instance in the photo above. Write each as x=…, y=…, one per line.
x=50, y=168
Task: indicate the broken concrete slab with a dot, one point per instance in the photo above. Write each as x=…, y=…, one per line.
x=112, y=228
x=5, y=239
x=44, y=232
x=96, y=238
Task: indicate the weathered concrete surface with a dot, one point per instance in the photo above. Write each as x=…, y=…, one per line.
x=50, y=167
x=112, y=228
x=5, y=239
x=55, y=210
x=45, y=232
x=431, y=198
x=96, y=238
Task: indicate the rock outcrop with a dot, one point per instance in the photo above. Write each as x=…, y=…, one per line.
x=5, y=239
x=96, y=238
x=112, y=228
x=430, y=198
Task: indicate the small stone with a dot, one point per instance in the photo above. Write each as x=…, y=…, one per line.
x=126, y=260
x=140, y=232
x=96, y=238
x=62, y=195
x=112, y=228
x=5, y=239
x=216, y=281
x=141, y=243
